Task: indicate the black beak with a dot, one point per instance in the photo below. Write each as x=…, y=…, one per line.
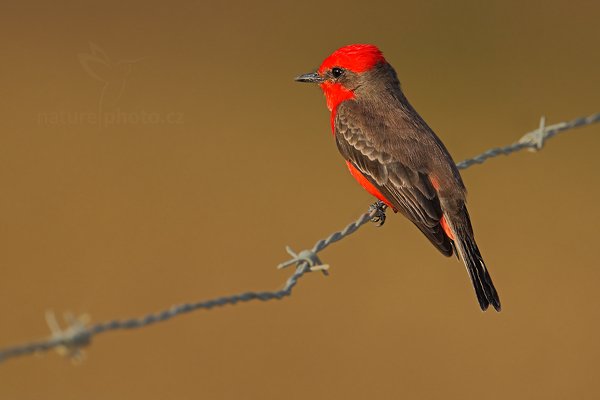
x=313, y=77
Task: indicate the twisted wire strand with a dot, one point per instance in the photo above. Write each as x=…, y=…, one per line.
x=71, y=340
x=532, y=140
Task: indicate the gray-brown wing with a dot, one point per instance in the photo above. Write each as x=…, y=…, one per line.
x=384, y=159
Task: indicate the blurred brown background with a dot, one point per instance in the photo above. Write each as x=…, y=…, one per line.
x=210, y=159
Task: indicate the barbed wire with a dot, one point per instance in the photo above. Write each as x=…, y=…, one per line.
x=533, y=140
x=79, y=332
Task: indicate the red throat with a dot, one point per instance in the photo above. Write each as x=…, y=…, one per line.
x=335, y=93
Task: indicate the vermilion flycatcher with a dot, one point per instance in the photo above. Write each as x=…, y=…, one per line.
x=395, y=155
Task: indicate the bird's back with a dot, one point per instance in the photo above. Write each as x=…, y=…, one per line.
x=391, y=122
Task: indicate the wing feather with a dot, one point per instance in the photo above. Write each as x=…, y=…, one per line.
x=385, y=162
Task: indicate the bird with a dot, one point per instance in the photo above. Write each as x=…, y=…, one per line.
x=392, y=152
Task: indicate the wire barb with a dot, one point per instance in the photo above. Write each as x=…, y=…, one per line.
x=78, y=334
x=535, y=139
x=307, y=257
x=73, y=338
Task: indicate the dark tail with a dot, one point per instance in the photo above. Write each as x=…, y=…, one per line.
x=482, y=281
x=469, y=252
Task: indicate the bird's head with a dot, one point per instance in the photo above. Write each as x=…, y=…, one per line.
x=344, y=71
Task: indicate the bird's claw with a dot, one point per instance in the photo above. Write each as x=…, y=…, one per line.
x=377, y=210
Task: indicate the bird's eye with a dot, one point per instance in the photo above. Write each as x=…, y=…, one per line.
x=337, y=72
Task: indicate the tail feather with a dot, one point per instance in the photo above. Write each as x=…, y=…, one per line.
x=480, y=277
x=468, y=251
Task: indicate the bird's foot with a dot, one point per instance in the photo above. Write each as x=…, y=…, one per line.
x=377, y=210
